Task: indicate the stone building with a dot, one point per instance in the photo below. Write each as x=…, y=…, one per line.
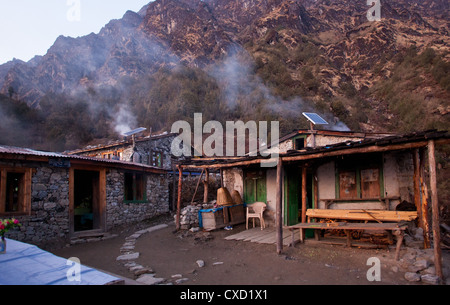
x=60, y=198
x=153, y=150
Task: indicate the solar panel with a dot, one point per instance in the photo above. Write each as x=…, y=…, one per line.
x=135, y=131
x=315, y=118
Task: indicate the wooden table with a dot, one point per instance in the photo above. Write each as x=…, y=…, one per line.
x=392, y=228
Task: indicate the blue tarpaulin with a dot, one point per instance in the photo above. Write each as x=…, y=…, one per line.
x=25, y=264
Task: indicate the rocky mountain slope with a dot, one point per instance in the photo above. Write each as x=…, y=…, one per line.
x=317, y=54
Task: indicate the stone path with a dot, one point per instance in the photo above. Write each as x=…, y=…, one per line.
x=146, y=275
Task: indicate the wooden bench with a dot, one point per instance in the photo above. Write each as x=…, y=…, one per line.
x=396, y=229
x=384, y=201
x=362, y=215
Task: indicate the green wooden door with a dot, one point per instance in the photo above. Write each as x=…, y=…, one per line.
x=255, y=187
x=292, y=198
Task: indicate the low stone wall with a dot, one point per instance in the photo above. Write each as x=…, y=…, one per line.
x=189, y=216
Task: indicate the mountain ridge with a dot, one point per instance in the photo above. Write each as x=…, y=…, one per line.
x=318, y=54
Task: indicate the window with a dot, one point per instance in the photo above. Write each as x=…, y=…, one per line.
x=299, y=142
x=107, y=156
x=15, y=191
x=156, y=159
x=360, y=178
x=113, y=155
x=347, y=185
x=135, y=187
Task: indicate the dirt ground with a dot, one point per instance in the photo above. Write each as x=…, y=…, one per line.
x=228, y=262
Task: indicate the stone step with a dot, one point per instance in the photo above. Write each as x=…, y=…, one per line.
x=84, y=237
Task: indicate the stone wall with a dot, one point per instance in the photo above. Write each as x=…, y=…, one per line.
x=120, y=213
x=233, y=179
x=144, y=147
x=162, y=145
x=49, y=219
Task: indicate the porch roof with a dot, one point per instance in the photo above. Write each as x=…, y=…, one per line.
x=389, y=143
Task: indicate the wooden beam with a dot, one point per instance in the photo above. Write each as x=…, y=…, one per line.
x=318, y=155
x=180, y=184
x=206, y=186
x=356, y=150
x=435, y=210
x=279, y=207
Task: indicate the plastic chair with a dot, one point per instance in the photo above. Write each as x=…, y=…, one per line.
x=256, y=210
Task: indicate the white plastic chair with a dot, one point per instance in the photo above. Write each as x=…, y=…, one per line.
x=256, y=210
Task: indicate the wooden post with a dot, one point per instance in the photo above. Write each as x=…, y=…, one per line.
x=302, y=231
x=206, y=187
x=304, y=195
x=424, y=200
x=279, y=220
x=221, y=178
x=316, y=191
x=435, y=210
x=174, y=184
x=416, y=181
x=196, y=188
x=180, y=184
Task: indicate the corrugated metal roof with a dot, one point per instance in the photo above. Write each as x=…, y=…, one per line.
x=31, y=152
x=28, y=151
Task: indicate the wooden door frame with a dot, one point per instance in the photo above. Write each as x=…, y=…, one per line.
x=101, y=199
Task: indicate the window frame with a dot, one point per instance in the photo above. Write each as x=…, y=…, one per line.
x=134, y=188
x=358, y=165
x=297, y=138
x=25, y=204
x=154, y=162
x=109, y=155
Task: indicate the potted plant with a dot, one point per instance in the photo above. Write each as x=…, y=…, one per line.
x=5, y=226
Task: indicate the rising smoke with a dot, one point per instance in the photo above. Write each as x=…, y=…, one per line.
x=240, y=85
